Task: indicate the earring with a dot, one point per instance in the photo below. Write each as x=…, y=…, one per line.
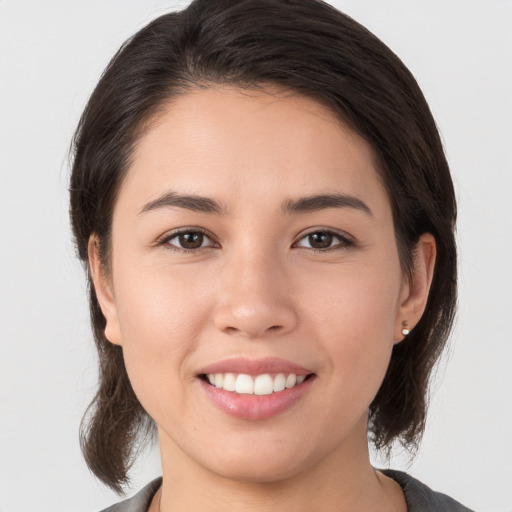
x=405, y=330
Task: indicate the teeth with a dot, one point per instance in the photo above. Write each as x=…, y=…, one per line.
x=263, y=385
x=291, y=380
x=229, y=382
x=279, y=382
x=219, y=380
x=260, y=385
x=244, y=384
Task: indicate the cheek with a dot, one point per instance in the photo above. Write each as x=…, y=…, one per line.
x=161, y=315
x=353, y=314
x=158, y=306
x=356, y=300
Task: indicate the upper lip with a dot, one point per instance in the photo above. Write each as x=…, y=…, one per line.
x=254, y=366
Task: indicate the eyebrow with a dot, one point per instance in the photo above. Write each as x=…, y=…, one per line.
x=307, y=204
x=322, y=201
x=190, y=202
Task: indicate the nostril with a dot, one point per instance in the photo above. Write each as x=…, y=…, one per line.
x=252, y=331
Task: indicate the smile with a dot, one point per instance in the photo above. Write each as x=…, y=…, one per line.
x=255, y=389
x=264, y=384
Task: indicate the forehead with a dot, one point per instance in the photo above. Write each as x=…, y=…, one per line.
x=234, y=144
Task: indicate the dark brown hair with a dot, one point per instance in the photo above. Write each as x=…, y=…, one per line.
x=304, y=46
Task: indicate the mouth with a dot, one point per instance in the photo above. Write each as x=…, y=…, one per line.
x=255, y=389
x=262, y=384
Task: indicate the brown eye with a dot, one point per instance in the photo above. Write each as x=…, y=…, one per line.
x=188, y=240
x=192, y=240
x=323, y=240
x=320, y=240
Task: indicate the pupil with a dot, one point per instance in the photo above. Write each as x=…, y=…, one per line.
x=191, y=240
x=320, y=240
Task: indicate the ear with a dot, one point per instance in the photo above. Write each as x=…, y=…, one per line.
x=414, y=295
x=104, y=291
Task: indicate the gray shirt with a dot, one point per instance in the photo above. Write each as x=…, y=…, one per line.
x=418, y=496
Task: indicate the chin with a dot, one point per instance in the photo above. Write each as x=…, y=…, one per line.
x=263, y=474
x=262, y=463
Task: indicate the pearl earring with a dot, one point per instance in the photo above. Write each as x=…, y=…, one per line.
x=405, y=330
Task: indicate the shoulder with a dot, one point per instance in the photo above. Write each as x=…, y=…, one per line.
x=421, y=498
x=140, y=502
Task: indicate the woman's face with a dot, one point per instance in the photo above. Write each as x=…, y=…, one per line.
x=254, y=237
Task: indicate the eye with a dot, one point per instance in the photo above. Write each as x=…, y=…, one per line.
x=188, y=240
x=323, y=240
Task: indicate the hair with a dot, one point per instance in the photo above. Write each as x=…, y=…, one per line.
x=306, y=47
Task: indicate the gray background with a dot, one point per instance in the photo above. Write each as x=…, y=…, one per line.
x=51, y=56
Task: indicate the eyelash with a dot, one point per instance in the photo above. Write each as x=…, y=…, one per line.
x=344, y=240
x=175, y=234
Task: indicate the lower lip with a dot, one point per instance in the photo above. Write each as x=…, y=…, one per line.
x=255, y=407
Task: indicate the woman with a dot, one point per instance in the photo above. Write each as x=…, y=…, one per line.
x=261, y=199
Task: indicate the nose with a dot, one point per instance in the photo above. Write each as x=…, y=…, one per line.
x=255, y=299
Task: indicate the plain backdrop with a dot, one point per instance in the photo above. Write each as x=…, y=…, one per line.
x=51, y=56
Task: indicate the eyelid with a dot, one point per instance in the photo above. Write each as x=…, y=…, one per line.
x=345, y=239
x=167, y=237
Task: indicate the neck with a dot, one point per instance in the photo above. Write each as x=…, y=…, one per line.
x=343, y=480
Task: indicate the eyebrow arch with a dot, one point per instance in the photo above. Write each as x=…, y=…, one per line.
x=322, y=201
x=190, y=202
x=302, y=205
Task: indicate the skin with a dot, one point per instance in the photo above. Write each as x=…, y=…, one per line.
x=256, y=288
